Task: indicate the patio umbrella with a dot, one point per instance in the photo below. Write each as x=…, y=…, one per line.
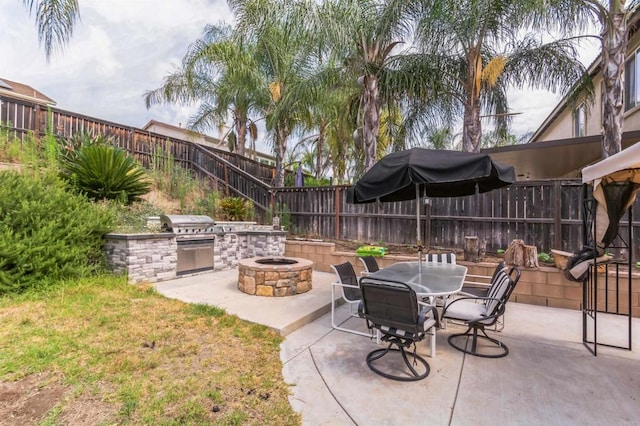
x=417, y=172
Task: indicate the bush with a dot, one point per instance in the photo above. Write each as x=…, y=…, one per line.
x=236, y=208
x=106, y=172
x=47, y=233
x=133, y=218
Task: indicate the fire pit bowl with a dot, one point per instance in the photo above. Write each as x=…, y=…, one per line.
x=274, y=276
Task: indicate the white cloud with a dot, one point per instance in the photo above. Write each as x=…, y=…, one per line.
x=119, y=50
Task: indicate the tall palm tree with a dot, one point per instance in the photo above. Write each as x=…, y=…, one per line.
x=55, y=21
x=221, y=74
x=367, y=35
x=612, y=16
x=484, y=47
x=284, y=58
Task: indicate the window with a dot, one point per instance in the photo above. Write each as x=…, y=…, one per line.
x=632, y=77
x=579, y=121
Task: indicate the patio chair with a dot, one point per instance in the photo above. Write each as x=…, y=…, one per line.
x=440, y=257
x=478, y=286
x=370, y=265
x=448, y=257
x=347, y=282
x=480, y=312
x=392, y=308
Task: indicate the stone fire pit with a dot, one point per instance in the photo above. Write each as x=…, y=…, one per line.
x=274, y=276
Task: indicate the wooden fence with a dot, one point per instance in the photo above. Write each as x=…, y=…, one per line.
x=21, y=118
x=547, y=214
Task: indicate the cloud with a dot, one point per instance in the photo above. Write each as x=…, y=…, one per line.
x=123, y=48
x=119, y=50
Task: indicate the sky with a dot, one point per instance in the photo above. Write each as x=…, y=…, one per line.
x=123, y=48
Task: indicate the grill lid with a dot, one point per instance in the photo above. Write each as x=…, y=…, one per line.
x=182, y=224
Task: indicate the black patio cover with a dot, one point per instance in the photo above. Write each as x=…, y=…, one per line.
x=437, y=173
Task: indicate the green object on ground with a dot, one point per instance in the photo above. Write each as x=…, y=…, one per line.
x=371, y=251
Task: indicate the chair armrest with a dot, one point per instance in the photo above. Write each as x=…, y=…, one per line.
x=425, y=311
x=345, y=285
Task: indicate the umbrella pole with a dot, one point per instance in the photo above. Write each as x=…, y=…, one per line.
x=418, y=235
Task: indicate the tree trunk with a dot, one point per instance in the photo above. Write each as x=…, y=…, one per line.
x=471, y=249
x=370, y=119
x=320, y=150
x=241, y=131
x=520, y=254
x=614, y=46
x=280, y=151
x=531, y=257
x=514, y=254
x=472, y=129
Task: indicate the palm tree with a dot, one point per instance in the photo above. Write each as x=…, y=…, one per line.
x=283, y=53
x=612, y=16
x=220, y=72
x=483, y=48
x=55, y=20
x=366, y=35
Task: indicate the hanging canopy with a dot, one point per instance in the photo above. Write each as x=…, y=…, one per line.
x=615, y=181
x=436, y=173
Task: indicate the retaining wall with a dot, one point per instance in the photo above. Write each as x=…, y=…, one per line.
x=546, y=286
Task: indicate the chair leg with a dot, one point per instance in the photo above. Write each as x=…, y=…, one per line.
x=472, y=334
x=333, y=317
x=412, y=373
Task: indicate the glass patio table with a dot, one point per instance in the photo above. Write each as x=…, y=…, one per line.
x=427, y=279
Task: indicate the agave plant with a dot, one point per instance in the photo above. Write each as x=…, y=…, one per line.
x=106, y=172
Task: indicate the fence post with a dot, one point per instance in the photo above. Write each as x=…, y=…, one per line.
x=336, y=222
x=557, y=214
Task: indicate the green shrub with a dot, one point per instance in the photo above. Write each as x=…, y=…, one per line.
x=47, y=234
x=134, y=217
x=207, y=205
x=106, y=172
x=236, y=208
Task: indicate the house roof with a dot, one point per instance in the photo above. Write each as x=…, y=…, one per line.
x=562, y=158
x=17, y=90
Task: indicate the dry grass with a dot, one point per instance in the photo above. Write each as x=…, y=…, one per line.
x=126, y=355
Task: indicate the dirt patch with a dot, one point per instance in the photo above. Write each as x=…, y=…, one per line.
x=28, y=400
x=160, y=200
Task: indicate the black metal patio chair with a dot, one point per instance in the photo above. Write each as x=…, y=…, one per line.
x=370, y=264
x=480, y=312
x=392, y=308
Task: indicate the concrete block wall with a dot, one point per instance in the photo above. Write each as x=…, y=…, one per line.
x=544, y=286
x=142, y=257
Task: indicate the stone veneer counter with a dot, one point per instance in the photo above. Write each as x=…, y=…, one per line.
x=274, y=276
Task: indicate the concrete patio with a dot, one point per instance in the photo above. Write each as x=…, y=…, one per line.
x=548, y=378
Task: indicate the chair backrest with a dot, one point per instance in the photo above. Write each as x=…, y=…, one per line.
x=441, y=258
x=370, y=264
x=347, y=275
x=502, y=285
x=391, y=306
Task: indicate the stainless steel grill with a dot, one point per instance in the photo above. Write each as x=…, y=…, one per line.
x=195, y=238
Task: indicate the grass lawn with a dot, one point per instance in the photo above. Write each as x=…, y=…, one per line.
x=101, y=351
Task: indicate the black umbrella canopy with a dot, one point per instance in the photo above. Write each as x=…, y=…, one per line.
x=437, y=173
